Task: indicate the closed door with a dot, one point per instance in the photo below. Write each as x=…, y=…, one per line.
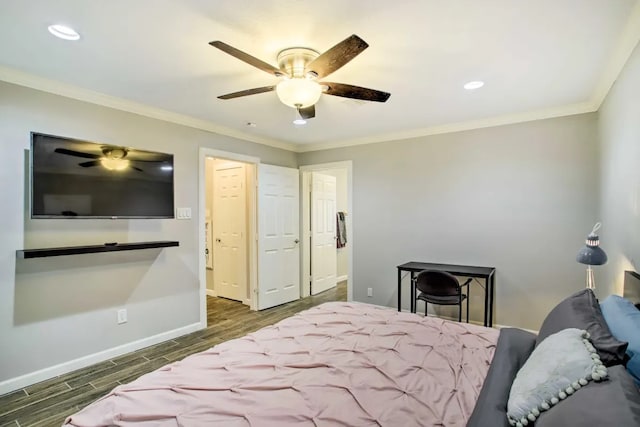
x=323, y=232
x=229, y=219
x=278, y=238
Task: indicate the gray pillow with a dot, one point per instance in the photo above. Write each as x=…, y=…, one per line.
x=614, y=402
x=582, y=311
x=561, y=364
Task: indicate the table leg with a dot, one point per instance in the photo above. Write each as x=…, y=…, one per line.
x=399, y=291
x=413, y=293
x=487, y=282
x=492, y=278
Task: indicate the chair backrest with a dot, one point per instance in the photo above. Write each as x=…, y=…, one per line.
x=438, y=283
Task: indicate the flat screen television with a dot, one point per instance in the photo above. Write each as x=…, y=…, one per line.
x=71, y=178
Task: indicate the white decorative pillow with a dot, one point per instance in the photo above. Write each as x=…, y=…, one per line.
x=561, y=364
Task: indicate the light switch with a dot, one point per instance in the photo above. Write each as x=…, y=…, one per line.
x=183, y=213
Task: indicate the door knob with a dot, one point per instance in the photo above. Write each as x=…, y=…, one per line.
x=296, y=241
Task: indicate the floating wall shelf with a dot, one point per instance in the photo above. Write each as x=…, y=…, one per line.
x=107, y=247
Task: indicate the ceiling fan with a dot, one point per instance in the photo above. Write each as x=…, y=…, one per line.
x=112, y=158
x=301, y=69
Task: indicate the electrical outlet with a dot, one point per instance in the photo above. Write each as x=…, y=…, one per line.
x=122, y=316
x=369, y=292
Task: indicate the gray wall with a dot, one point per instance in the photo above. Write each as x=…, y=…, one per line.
x=620, y=183
x=518, y=197
x=55, y=310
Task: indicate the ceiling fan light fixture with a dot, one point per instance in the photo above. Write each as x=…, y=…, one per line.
x=114, y=164
x=63, y=32
x=298, y=92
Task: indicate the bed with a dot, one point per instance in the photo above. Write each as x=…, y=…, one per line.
x=348, y=364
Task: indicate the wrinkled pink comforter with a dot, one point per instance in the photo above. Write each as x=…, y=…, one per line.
x=338, y=364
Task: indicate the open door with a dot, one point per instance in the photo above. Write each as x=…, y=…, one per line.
x=230, y=230
x=323, y=232
x=278, y=239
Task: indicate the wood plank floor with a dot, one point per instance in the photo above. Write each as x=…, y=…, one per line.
x=48, y=403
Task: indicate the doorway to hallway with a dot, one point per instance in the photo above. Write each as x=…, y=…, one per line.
x=326, y=191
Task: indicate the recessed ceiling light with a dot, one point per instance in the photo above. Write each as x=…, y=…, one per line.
x=299, y=122
x=473, y=85
x=64, y=32
x=166, y=168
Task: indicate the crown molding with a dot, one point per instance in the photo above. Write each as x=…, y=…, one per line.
x=627, y=42
x=547, y=113
x=21, y=78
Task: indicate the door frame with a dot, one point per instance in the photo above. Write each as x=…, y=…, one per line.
x=252, y=249
x=305, y=249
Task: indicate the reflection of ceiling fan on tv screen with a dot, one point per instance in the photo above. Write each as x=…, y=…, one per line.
x=301, y=70
x=112, y=158
x=72, y=178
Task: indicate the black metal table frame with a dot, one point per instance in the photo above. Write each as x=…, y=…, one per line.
x=486, y=273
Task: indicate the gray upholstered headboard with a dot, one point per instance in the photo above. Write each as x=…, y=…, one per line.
x=632, y=286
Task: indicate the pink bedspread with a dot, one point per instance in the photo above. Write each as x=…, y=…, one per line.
x=338, y=364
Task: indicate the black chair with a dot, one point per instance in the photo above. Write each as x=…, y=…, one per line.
x=441, y=288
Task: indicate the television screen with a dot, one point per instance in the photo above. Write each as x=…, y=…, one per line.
x=79, y=179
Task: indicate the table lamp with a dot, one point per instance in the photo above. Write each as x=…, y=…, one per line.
x=592, y=254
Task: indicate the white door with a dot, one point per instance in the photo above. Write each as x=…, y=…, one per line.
x=324, y=254
x=278, y=239
x=229, y=219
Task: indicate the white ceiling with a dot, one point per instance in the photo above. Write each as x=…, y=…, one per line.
x=539, y=58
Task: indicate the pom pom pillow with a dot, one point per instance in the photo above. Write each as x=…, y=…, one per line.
x=561, y=364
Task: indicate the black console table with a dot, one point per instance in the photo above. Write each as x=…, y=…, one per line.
x=107, y=247
x=486, y=273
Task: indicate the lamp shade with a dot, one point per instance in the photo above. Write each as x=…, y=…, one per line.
x=592, y=253
x=298, y=92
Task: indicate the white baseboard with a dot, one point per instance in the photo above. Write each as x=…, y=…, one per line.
x=342, y=278
x=473, y=322
x=213, y=293
x=82, y=362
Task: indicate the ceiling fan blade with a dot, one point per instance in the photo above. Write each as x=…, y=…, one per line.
x=337, y=56
x=307, y=112
x=251, y=60
x=355, y=92
x=89, y=164
x=77, y=153
x=247, y=92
